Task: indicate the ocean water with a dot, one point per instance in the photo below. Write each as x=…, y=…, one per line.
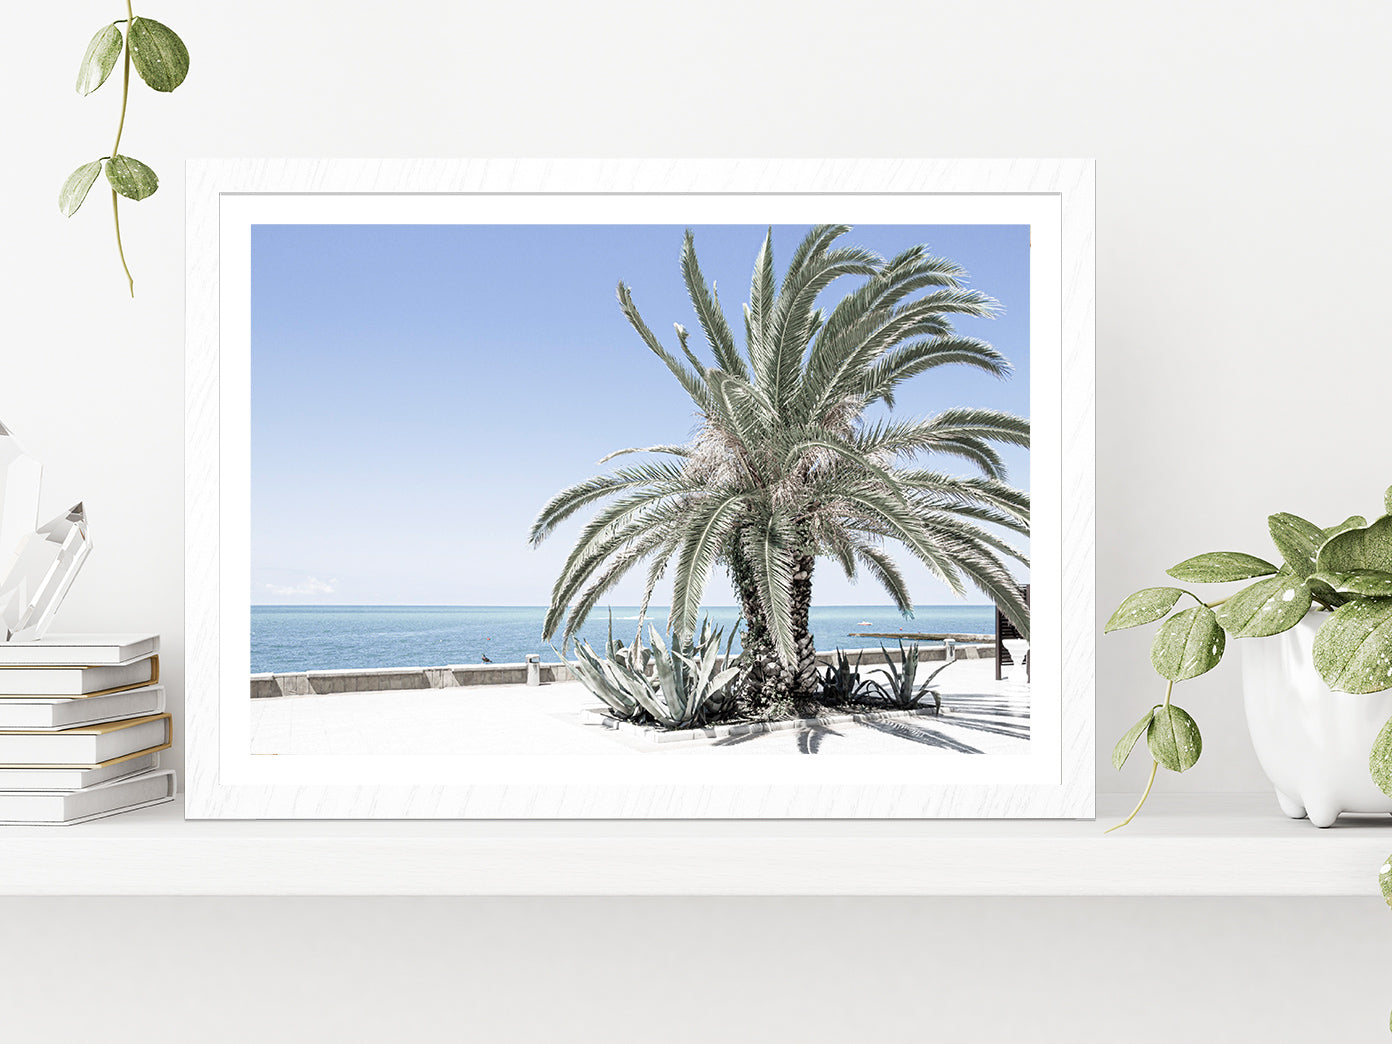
x=345, y=637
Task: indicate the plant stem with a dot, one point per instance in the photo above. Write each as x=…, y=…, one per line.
x=1154, y=767
x=116, y=216
x=120, y=127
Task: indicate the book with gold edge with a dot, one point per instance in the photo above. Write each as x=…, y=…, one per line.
x=86, y=746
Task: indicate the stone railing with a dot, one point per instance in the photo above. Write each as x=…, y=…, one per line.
x=391, y=679
x=319, y=683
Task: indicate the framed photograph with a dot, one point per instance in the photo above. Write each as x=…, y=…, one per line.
x=585, y=489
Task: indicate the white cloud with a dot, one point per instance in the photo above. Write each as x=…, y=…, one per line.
x=311, y=585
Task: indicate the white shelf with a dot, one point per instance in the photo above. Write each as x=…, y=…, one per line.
x=1212, y=845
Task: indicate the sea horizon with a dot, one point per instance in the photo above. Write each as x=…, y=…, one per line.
x=308, y=637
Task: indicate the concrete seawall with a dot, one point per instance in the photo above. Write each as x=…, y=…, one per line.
x=325, y=683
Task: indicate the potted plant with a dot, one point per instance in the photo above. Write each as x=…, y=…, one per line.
x=1318, y=691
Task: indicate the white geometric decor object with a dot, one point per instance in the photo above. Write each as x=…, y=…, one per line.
x=20, y=475
x=40, y=575
x=1019, y=650
x=1311, y=741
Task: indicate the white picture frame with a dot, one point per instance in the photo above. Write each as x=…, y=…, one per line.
x=223, y=779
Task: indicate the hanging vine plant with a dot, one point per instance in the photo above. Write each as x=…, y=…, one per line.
x=162, y=61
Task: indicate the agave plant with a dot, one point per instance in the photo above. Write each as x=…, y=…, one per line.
x=903, y=691
x=842, y=682
x=787, y=465
x=679, y=686
x=604, y=676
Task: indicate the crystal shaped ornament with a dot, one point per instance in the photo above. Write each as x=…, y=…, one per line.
x=40, y=575
x=19, y=495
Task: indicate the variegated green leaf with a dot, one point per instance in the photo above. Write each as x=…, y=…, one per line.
x=1385, y=879
x=1323, y=593
x=1380, y=765
x=1122, y=750
x=1366, y=583
x=76, y=187
x=1218, y=567
x=1267, y=607
x=1188, y=644
x=158, y=54
x=1368, y=547
x=1143, y=607
x=1352, y=522
x=100, y=59
x=1353, y=650
x=130, y=177
x=1298, y=541
x=1173, y=738
x=1387, y=500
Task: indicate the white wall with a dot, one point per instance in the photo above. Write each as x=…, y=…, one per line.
x=1242, y=262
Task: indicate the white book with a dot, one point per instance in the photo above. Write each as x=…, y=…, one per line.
x=45, y=777
x=77, y=681
x=79, y=650
x=63, y=808
x=86, y=746
x=49, y=714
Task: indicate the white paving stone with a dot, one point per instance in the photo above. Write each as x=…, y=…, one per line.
x=980, y=716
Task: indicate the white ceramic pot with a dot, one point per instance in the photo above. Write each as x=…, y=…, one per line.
x=1312, y=742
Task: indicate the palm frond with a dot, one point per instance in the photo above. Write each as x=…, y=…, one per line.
x=690, y=380
x=883, y=568
x=708, y=311
x=769, y=548
x=955, y=490
x=916, y=357
x=672, y=449
x=759, y=313
x=573, y=498
x=707, y=530
x=619, y=566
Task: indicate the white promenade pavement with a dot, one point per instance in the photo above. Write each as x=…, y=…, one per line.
x=980, y=716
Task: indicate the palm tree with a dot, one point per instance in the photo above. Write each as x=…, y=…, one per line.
x=786, y=467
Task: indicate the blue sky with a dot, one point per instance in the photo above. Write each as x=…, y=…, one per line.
x=420, y=391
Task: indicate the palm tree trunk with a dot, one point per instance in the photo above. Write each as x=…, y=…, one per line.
x=765, y=681
x=805, y=670
x=768, y=679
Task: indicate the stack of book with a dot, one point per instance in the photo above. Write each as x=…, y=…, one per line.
x=82, y=724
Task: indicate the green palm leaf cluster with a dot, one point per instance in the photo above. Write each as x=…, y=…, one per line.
x=785, y=466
